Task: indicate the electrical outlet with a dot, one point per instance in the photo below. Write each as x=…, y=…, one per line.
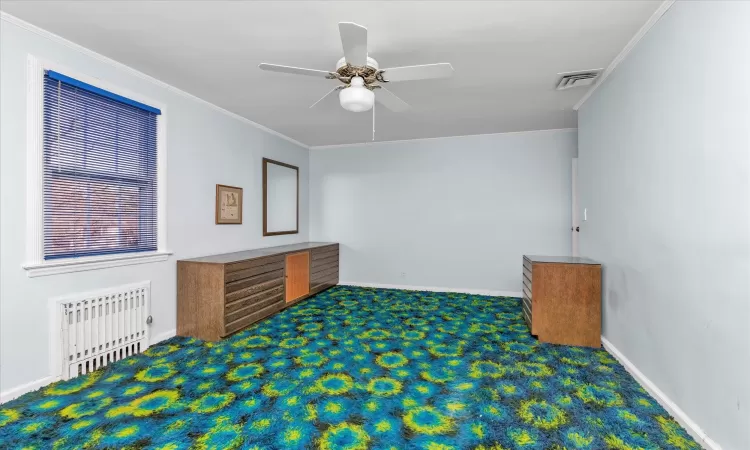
x=403, y=274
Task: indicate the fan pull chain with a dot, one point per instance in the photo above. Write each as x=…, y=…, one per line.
x=373, y=122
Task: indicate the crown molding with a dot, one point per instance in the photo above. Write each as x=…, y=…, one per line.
x=101, y=58
x=375, y=143
x=626, y=50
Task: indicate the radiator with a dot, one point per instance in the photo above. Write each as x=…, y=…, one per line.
x=102, y=327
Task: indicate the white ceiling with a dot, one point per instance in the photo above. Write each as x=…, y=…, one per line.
x=506, y=57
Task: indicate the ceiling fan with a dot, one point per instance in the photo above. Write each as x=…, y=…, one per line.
x=361, y=76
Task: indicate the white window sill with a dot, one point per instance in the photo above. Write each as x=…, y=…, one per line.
x=93, y=263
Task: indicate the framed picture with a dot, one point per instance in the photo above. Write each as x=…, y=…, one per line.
x=228, y=204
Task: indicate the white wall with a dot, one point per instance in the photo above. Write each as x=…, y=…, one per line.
x=204, y=147
x=451, y=212
x=664, y=170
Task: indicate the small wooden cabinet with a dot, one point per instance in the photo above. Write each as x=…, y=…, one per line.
x=562, y=299
x=221, y=294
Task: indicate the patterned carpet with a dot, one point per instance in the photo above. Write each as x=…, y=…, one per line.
x=355, y=368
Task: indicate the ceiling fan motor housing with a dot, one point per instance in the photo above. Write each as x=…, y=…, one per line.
x=371, y=63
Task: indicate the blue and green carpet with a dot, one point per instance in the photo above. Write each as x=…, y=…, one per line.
x=354, y=368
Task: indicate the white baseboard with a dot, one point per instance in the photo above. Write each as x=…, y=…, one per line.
x=434, y=289
x=679, y=415
x=18, y=391
x=162, y=336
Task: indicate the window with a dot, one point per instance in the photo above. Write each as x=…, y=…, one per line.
x=95, y=172
x=100, y=171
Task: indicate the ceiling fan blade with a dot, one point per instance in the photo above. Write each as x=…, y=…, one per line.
x=294, y=70
x=423, y=72
x=390, y=100
x=354, y=42
x=337, y=88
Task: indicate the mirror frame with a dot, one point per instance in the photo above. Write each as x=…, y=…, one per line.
x=267, y=161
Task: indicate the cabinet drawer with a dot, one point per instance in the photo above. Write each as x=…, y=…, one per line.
x=256, y=300
x=253, y=289
x=527, y=292
x=326, y=260
x=324, y=268
x=527, y=284
x=527, y=264
x=527, y=318
x=251, y=317
x=250, y=263
x=528, y=314
x=527, y=272
x=324, y=279
x=253, y=297
x=526, y=309
x=325, y=274
x=323, y=284
x=324, y=252
x=526, y=302
x=247, y=283
x=269, y=266
x=252, y=309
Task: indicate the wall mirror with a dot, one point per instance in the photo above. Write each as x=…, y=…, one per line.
x=280, y=198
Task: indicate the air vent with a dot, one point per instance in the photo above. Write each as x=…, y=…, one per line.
x=577, y=79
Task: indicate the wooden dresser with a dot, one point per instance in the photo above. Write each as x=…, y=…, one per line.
x=221, y=294
x=562, y=299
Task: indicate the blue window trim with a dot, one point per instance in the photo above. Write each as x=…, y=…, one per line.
x=85, y=86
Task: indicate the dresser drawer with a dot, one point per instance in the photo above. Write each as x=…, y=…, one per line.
x=253, y=289
x=251, y=316
x=528, y=313
x=251, y=263
x=324, y=268
x=248, y=286
x=526, y=283
x=328, y=260
x=257, y=301
x=324, y=255
x=325, y=274
x=267, y=265
x=254, y=297
x=527, y=272
x=320, y=285
x=526, y=309
x=527, y=317
x=527, y=292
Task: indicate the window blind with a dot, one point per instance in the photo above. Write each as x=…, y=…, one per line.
x=100, y=171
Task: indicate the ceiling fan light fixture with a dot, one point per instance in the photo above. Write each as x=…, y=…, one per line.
x=356, y=97
x=357, y=74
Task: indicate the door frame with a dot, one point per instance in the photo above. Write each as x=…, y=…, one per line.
x=575, y=224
